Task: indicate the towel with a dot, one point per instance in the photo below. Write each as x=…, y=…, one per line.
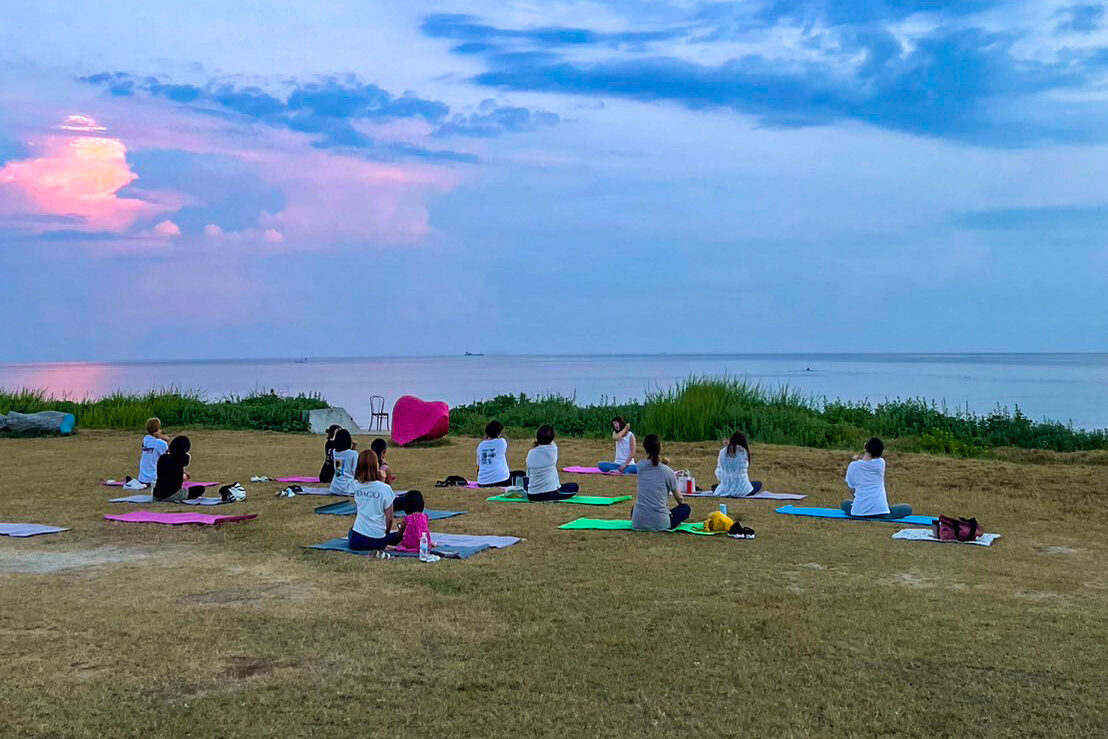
x=837, y=513
x=150, y=499
x=22, y=530
x=761, y=495
x=593, y=471
x=578, y=499
x=926, y=535
x=604, y=524
x=176, y=518
x=472, y=540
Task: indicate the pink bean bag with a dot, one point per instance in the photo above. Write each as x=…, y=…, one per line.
x=414, y=419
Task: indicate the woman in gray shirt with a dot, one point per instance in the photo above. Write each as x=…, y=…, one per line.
x=656, y=483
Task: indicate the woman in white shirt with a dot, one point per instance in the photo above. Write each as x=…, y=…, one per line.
x=346, y=462
x=625, y=449
x=492, y=458
x=372, y=529
x=865, y=477
x=732, y=468
x=542, y=469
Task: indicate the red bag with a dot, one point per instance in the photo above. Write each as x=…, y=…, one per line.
x=946, y=528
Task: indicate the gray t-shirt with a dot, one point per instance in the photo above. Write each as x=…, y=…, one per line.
x=656, y=482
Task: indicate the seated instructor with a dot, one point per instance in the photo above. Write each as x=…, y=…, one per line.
x=865, y=477
x=656, y=483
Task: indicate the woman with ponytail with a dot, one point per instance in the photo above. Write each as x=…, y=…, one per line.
x=732, y=468
x=372, y=529
x=655, y=484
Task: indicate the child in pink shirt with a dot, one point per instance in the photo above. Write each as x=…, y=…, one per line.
x=414, y=523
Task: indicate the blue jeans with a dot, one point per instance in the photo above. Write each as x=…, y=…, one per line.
x=361, y=543
x=612, y=467
x=895, y=511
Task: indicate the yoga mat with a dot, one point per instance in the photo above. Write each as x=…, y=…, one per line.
x=837, y=513
x=594, y=471
x=176, y=518
x=762, y=495
x=150, y=499
x=22, y=530
x=349, y=508
x=322, y=491
x=604, y=524
x=301, y=478
x=473, y=540
x=579, y=499
x=448, y=552
x=984, y=540
x=188, y=484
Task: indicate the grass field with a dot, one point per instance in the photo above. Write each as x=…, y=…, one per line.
x=816, y=628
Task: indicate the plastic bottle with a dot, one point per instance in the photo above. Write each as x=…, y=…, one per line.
x=723, y=508
x=424, y=547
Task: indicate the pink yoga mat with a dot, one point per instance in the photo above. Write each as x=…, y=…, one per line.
x=593, y=471
x=301, y=478
x=187, y=485
x=175, y=518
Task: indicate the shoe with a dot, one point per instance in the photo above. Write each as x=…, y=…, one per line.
x=133, y=484
x=742, y=532
x=261, y=478
x=286, y=493
x=381, y=554
x=232, y=493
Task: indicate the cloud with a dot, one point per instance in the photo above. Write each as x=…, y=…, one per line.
x=478, y=37
x=168, y=229
x=74, y=183
x=945, y=80
x=337, y=112
x=1082, y=18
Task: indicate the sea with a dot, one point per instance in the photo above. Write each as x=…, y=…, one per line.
x=1071, y=388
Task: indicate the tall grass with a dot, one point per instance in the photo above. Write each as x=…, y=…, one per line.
x=176, y=408
x=710, y=408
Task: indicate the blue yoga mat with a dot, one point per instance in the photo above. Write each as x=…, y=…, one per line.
x=448, y=552
x=349, y=508
x=793, y=510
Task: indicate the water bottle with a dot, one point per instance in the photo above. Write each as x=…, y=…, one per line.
x=424, y=547
x=723, y=508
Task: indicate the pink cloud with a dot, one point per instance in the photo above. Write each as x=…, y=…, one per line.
x=167, y=228
x=74, y=183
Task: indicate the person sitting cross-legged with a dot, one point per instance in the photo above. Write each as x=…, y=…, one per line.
x=865, y=476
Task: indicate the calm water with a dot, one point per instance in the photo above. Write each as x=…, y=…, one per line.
x=1066, y=387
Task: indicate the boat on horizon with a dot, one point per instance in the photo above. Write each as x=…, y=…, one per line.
x=475, y=354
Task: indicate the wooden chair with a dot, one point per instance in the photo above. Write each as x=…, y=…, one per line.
x=377, y=413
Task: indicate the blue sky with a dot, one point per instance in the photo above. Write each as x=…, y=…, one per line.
x=204, y=179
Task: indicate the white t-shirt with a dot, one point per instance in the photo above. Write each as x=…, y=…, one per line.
x=152, y=448
x=867, y=477
x=372, y=498
x=623, y=449
x=492, y=461
x=542, y=469
x=345, y=463
x=732, y=473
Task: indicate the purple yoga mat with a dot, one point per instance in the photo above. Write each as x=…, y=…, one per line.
x=302, y=478
x=186, y=486
x=593, y=471
x=175, y=518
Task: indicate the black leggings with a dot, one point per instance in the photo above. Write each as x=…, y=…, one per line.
x=568, y=490
x=507, y=483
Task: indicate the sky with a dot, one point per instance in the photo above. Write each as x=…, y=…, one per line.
x=348, y=178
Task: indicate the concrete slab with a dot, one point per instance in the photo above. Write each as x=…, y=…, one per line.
x=320, y=419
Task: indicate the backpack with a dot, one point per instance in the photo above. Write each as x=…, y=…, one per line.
x=452, y=481
x=946, y=528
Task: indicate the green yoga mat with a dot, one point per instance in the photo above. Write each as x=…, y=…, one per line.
x=578, y=499
x=605, y=524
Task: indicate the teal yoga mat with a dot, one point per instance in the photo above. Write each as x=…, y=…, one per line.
x=604, y=524
x=349, y=508
x=578, y=499
x=794, y=510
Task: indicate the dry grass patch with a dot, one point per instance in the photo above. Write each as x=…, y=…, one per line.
x=816, y=628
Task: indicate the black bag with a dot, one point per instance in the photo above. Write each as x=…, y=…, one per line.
x=451, y=481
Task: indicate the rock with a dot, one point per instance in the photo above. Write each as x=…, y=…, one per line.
x=320, y=419
x=414, y=419
x=43, y=422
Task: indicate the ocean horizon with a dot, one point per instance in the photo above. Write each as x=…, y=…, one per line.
x=1070, y=387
